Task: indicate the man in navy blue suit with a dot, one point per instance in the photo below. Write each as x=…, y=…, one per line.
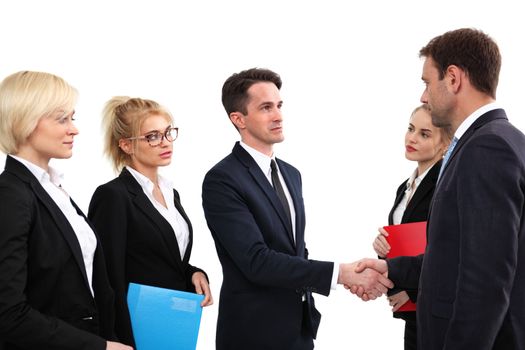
x=472, y=275
x=254, y=208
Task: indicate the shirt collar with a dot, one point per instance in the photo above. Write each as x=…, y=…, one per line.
x=146, y=183
x=416, y=178
x=54, y=175
x=463, y=127
x=262, y=160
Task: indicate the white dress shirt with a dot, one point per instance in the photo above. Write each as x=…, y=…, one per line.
x=171, y=214
x=87, y=240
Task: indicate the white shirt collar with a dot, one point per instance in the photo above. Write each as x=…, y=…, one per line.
x=463, y=127
x=54, y=175
x=146, y=183
x=262, y=160
x=416, y=178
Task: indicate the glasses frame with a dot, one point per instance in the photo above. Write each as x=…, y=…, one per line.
x=163, y=135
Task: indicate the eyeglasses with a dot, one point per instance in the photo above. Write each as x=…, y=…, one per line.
x=155, y=138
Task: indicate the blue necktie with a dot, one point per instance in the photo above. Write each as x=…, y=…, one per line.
x=447, y=155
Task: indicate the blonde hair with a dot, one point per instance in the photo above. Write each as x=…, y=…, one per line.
x=122, y=118
x=25, y=98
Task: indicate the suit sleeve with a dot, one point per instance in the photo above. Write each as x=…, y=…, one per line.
x=237, y=233
x=490, y=205
x=108, y=212
x=189, y=275
x=21, y=324
x=412, y=295
x=404, y=271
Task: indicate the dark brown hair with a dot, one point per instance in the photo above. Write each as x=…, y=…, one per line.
x=235, y=88
x=471, y=50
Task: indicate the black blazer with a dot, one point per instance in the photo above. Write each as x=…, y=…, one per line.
x=416, y=210
x=265, y=272
x=139, y=243
x=472, y=283
x=418, y=207
x=45, y=300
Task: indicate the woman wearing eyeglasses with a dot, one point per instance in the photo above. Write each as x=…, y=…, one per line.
x=145, y=233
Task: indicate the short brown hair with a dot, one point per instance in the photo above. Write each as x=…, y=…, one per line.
x=471, y=50
x=235, y=88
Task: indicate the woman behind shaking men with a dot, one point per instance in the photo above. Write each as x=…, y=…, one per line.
x=146, y=234
x=54, y=291
x=426, y=145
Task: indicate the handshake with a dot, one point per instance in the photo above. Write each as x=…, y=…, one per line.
x=366, y=278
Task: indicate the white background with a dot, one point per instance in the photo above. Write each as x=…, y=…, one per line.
x=351, y=76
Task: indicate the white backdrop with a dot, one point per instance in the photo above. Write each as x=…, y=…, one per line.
x=351, y=77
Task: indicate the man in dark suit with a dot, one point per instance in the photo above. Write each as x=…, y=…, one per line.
x=472, y=275
x=266, y=297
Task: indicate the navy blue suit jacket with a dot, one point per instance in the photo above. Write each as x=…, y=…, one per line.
x=472, y=285
x=265, y=273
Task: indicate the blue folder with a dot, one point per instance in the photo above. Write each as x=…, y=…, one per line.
x=164, y=318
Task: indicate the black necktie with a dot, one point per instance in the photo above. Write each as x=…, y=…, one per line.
x=279, y=190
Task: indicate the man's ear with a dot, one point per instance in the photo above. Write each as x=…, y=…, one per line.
x=237, y=118
x=455, y=77
x=126, y=146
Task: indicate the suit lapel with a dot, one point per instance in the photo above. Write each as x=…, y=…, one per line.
x=261, y=180
x=144, y=205
x=179, y=207
x=64, y=227
x=484, y=119
x=268, y=190
x=399, y=196
x=426, y=185
x=54, y=211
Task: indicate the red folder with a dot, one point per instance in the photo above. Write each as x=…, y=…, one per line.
x=407, y=240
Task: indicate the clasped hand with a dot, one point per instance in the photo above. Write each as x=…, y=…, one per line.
x=366, y=278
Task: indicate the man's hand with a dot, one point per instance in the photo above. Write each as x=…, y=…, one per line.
x=379, y=266
x=368, y=283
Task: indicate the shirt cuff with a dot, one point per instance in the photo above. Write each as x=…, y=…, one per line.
x=335, y=275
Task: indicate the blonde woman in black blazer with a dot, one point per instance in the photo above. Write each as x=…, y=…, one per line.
x=424, y=144
x=146, y=234
x=54, y=290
